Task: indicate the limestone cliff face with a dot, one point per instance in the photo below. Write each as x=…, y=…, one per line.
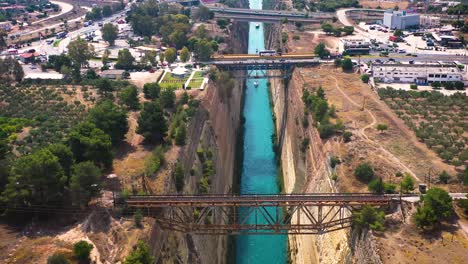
x=212, y=131
x=304, y=170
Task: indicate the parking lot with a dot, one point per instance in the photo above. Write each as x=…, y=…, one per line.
x=410, y=44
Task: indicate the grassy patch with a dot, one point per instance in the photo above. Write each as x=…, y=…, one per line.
x=57, y=43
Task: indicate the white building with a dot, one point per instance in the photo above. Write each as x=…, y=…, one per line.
x=400, y=20
x=429, y=21
x=354, y=46
x=417, y=73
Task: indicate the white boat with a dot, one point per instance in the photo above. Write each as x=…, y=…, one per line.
x=256, y=84
x=257, y=25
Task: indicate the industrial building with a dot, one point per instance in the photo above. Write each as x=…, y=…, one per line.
x=400, y=20
x=417, y=73
x=427, y=21
x=354, y=46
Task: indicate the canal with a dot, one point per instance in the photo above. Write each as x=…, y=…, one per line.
x=259, y=171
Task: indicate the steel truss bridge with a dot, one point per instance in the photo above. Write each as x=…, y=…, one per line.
x=259, y=66
x=256, y=214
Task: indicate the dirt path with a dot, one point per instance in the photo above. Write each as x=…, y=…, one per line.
x=362, y=133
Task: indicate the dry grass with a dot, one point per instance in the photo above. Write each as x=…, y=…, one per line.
x=396, y=149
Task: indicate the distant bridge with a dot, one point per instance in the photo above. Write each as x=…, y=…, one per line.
x=269, y=15
x=257, y=214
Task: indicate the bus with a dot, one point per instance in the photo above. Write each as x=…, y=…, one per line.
x=269, y=53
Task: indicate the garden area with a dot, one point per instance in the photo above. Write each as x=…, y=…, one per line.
x=172, y=82
x=47, y=111
x=439, y=121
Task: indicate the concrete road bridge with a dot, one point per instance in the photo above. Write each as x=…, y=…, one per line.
x=261, y=15
x=257, y=214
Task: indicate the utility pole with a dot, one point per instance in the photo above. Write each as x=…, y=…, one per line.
x=364, y=103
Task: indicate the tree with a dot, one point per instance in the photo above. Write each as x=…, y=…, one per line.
x=111, y=119
x=203, y=50
x=124, y=60
x=348, y=30
x=365, y=78
x=80, y=52
x=151, y=90
x=106, y=11
x=321, y=50
x=104, y=87
x=110, y=33
x=407, y=184
x=204, y=13
x=444, y=177
x=368, y=217
x=364, y=172
x=89, y=143
x=398, y=33
x=85, y=182
x=152, y=124
x=377, y=186
x=150, y=56
x=382, y=127
x=184, y=54
x=222, y=23
x=64, y=155
x=57, y=258
x=140, y=255
x=35, y=179
x=347, y=136
x=179, y=177
x=129, y=97
x=138, y=217
x=171, y=55
x=459, y=85
x=3, y=39
x=437, y=207
x=168, y=98
x=82, y=250
x=180, y=135
x=105, y=57
x=347, y=64
x=327, y=28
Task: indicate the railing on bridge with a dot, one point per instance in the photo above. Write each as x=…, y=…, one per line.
x=256, y=214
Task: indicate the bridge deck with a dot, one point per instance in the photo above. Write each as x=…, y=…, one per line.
x=259, y=200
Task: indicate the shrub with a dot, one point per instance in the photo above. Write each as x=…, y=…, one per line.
x=334, y=161
x=57, y=258
x=365, y=78
x=444, y=177
x=138, y=217
x=82, y=250
x=413, y=86
x=347, y=136
x=364, y=172
x=382, y=127
x=347, y=64
x=407, y=184
x=437, y=207
x=368, y=217
x=304, y=144
x=376, y=186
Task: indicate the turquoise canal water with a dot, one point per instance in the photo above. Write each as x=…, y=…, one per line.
x=259, y=167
